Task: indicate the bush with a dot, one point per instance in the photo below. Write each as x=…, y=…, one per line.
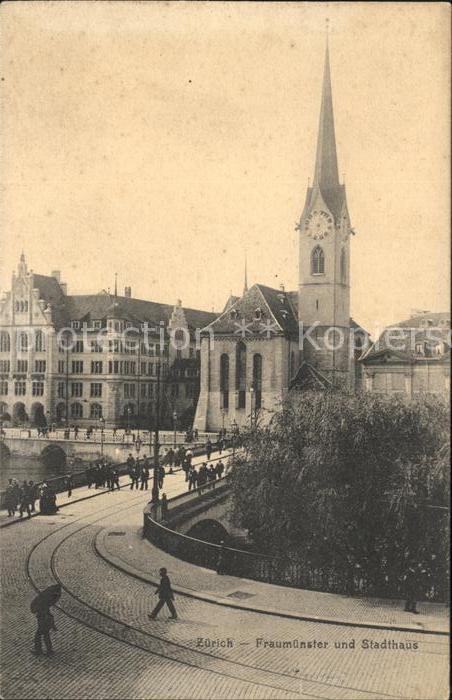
x=348, y=483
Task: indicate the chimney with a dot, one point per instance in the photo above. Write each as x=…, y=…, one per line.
x=63, y=286
x=128, y=292
x=56, y=274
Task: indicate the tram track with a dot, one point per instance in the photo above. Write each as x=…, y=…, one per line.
x=177, y=648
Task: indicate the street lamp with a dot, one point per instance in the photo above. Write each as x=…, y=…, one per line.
x=102, y=424
x=155, y=481
x=223, y=413
x=234, y=427
x=174, y=427
x=252, y=400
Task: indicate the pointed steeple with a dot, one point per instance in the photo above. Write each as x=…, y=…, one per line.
x=326, y=171
x=116, y=284
x=245, y=284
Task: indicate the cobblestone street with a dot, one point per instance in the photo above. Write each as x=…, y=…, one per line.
x=106, y=646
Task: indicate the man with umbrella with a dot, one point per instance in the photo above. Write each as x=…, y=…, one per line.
x=40, y=607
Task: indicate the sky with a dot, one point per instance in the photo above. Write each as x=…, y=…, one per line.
x=163, y=141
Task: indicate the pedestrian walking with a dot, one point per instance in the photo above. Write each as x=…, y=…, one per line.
x=41, y=608
x=166, y=595
x=161, y=476
x=115, y=479
x=10, y=498
x=69, y=483
x=411, y=586
x=25, y=498
x=220, y=469
x=208, y=449
x=192, y=479
x=144, y=475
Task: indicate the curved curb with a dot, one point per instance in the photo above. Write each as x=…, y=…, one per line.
x=119, y=564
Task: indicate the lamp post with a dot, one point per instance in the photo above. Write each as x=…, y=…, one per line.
x=223, y=412
x=174, y=427
x=155, y=482
x=252, y=402
x=102, y=424
x=128, y=417
x=234, y=427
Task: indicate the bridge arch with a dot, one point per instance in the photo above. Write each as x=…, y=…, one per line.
x=53, y=456
x=209, y=530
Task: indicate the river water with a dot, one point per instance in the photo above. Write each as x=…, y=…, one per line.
x=21, y=468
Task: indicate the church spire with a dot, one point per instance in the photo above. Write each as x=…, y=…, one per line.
x=326, y=171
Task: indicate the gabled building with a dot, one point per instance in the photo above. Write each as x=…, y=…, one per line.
x=96, y=356
x=410, y=358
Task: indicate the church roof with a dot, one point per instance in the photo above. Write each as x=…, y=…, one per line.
x=308, y=377
x=262, y=310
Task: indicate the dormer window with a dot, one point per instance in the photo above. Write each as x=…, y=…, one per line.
x=419, y=348
x=282, y=298
x=75, y=324
x=258, y=314
x=234, y=314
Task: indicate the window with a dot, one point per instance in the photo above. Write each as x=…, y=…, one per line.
x=4, y=366
x=37, y=388
x=95, y=346
x=20, y=388
x=61, y=390
x=343, y=267
x=224, y=380
x=22, y=365
x=257, y=380
x=97, y=324
x=96, y=389
x=40, y=366
x=129, y=391
x=4, y=388
x=5, y=342
x=23, y=342
x=76, y=410
x=60, y=366
x=143, y=391
x=96, y=367
x=95, y=411
x=39, y=341
x=78, y=346
x=240, y=374
x=75, y=324
x=317, y=261
x=258, y=314
x=77, y=367
x=175, y=391
x=76, y=389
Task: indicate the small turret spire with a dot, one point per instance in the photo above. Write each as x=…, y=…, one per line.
x=116, y=284
x=245, y=284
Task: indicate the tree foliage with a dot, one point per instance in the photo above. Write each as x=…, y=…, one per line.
x=348, y=482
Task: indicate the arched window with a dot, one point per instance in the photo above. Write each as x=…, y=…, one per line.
x=95, y=411
x=257, y=380
x=240, y=374
x=39, y=341
x=317, y=261
x=76, y=410
x=5, y=342
x=23, y=342
x=224, y=380
x=60, y=411
x=343, y=266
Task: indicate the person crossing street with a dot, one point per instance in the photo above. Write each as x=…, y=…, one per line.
x=166, y=595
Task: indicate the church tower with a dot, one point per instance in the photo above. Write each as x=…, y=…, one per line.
x=324, y=262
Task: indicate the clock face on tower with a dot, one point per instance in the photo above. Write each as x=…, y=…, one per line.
x=318, y=224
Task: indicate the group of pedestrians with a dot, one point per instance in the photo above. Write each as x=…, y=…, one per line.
x=102, y=474
x=22, y=498
x=205, y=474
x=139, y=472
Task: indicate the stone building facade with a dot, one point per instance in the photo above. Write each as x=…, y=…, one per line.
x=94, y=357
x=269, y=341
x=410, y=358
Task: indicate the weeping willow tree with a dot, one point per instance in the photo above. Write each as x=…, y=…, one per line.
x=349, y=482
